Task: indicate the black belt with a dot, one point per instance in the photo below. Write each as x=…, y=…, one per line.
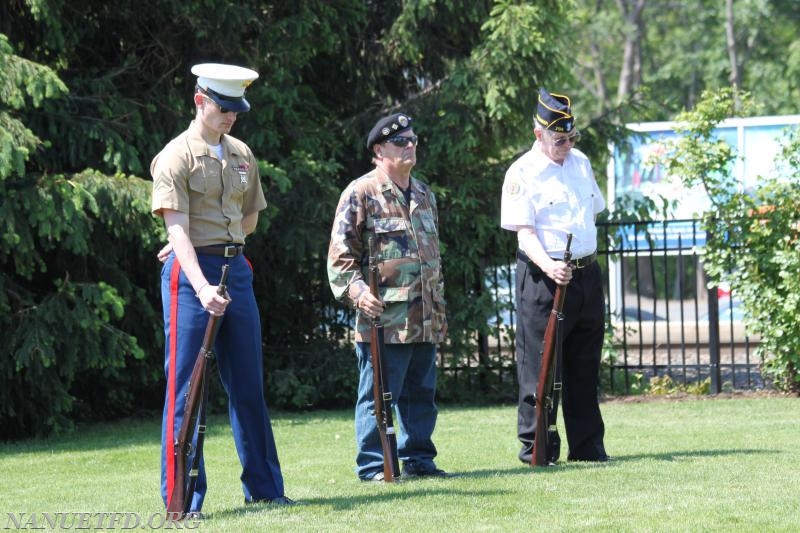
x=581, y=262
x=584, y=261
x=225, y=250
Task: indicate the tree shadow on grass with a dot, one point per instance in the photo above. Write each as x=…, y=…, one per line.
x=563, y=465
x=498, y=472
x=688, y=454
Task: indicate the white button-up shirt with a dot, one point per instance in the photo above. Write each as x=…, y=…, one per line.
x=554, y=200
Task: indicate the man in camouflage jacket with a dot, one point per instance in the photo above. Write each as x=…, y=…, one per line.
x=399, y=213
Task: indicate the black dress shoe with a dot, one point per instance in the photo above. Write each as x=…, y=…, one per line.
x=280, y=501
x=600, y=459
x=415, y=472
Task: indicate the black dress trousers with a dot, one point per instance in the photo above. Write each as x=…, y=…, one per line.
x=583, y=330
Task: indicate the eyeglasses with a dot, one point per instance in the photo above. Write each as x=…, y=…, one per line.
x=401, y=141
x=561, y=141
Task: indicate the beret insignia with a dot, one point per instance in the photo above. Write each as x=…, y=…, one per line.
x=387, y=127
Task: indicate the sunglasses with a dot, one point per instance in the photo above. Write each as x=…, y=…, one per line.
x=401, y=142
x=222, y=109
x=561, y=141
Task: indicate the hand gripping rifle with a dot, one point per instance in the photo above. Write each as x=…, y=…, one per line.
x=194, y=416
x=380, y=387
x=545, y=389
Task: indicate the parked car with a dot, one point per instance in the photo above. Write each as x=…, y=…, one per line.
x=730, y=310
x=637, y=314
x=500, y=282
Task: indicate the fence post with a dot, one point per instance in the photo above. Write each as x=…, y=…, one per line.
x=713, y=340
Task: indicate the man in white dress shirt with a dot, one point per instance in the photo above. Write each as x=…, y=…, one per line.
x=548, y=193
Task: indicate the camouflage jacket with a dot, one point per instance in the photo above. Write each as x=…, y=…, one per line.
x=406, y=246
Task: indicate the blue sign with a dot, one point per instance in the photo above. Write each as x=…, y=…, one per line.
x=635, y=170
x=661, y=236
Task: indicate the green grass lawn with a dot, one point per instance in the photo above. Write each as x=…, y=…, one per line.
x=710, y=464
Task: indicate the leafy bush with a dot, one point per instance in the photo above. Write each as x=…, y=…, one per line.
x=753, y=236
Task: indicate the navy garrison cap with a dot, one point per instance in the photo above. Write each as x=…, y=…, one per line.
x=553, y=112
x=388, y=127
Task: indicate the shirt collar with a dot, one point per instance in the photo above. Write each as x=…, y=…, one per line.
x=198, y=145
x=386, y=183
x=539, y=160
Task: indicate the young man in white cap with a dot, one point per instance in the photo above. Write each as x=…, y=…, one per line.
x=548, y=193
x=206, y=187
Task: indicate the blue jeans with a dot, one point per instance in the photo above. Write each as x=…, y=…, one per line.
x=412, y=381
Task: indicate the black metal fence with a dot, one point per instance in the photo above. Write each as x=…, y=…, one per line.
x=664, y=326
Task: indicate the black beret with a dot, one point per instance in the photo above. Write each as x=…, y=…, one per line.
x=388, y=127
x=553, y=111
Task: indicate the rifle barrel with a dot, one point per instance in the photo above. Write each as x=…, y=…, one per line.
x=545, y=399
x=380, y=388
x=180, y=500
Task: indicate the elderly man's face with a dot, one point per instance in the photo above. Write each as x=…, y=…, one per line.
x=396, y=153
x=556, y=145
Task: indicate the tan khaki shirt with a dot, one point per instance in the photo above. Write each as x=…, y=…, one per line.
x=217, y=195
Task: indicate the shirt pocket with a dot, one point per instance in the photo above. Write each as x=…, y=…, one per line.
x=235, y=193
x=427, y=242
x=239, y=178
x=588, y=199
x=428, y=224
x=197, y=189
x=391, y=235
x=552, y=200
x=197, y=182
x=206, y=177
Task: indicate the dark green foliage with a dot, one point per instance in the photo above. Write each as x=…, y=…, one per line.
x=66, y=281
x=73, y=302
x=92, y=90
x=80, y=281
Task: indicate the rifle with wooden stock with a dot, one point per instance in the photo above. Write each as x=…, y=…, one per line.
x=547, y=386
x=194, y=415
x=380, y=387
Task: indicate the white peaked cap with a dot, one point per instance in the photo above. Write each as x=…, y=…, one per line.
x=225, y=84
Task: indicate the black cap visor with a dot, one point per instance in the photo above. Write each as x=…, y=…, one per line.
x=237, y=104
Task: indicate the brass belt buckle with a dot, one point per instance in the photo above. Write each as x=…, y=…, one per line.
x=584, y=261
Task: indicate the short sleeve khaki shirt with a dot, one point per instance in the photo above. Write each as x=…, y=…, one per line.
x=189, y=178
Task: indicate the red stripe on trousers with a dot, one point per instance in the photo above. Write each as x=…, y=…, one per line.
x=174, y=279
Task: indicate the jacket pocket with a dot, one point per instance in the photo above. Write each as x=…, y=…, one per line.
x=391, y=235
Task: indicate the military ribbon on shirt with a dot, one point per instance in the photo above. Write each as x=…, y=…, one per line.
x=242, y=170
